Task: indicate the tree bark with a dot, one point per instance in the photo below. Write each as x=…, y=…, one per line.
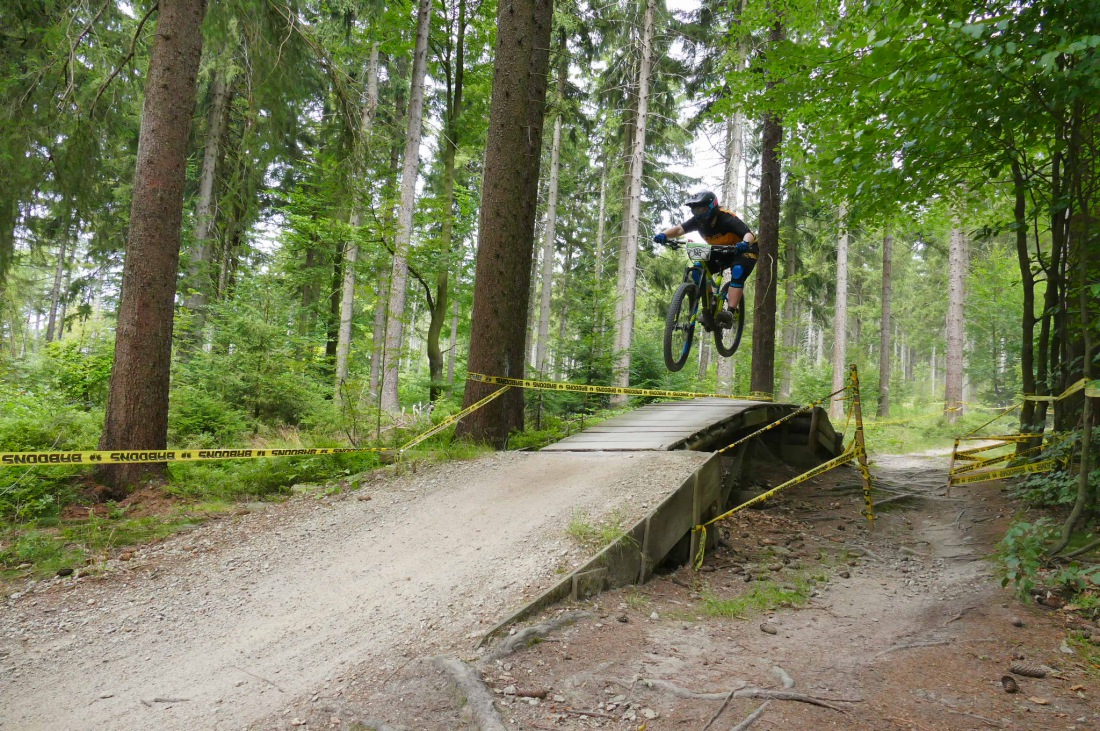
x=454, y=72
x=551, y=222
x=952, y=400
x=730, y=186
x=628, y=250
x=452, y=343
x=52, y=328
x=351, y=248
x=885, y=329
x=508, y=207
x=400, y=274
x=200, y=275
x=601, y=224
x=137, y=400
x=790, y=271
x=767, y=266
x=840, y=318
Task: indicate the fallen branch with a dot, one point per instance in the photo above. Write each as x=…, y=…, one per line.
x=528, y=635
x=960, y=615
x=478, y=698
x=258, y=677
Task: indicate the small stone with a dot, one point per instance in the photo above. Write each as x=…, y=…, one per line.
x=64, y=572
x=1017, y=622
x=364, y=498
x=768, y=629
x=509, y=690
x=559, y=699
x=126, y=556
x=649, y=713
x=1039, y=701
x=845, y=575
x=654, y=615
x=623, y=618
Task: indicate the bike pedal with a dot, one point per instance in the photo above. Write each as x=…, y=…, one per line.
x=725, y=318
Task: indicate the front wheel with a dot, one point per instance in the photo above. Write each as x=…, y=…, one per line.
x=728, y=339
x=680, y=326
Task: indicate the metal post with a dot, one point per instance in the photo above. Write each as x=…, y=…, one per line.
x=860, y=447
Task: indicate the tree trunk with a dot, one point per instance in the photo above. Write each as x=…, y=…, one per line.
x=730, y=185
x=452, y=343
x=885, y=330
x=628, y=251
x=455, y=78
x=137, y=400
x=351, y=248
x=200, y=273
x=551, y=221
x=764, y=306
x=840, y=318
x=52, y=329
x=400, y=274
x=508, y=207
x=955, y=327
x=790, y=271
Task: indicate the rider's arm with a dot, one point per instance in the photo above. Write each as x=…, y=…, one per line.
x=674, y=232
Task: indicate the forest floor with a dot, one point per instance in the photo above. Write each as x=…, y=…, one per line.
x=332, y=611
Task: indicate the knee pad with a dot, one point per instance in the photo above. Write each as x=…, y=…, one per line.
x=737, y=276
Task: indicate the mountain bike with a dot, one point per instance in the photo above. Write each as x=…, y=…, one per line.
x=701, y=299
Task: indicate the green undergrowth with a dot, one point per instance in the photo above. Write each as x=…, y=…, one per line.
x=911, y=430
x=762, y=597
x=594, y=535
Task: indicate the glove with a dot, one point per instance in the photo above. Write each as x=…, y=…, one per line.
x=741, y=248
x=660, y=238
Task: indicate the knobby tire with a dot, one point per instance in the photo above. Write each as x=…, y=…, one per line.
x=728, y=339
x=679, y=321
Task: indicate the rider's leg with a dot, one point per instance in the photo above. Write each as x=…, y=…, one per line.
x=733, y=296
x=737, y=285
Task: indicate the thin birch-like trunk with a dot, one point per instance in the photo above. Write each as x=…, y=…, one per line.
x=400, y=273
x=351, y=249
x=452, y=343
x=200, y=274
x=840, y=318
x=953, y=384
x=55, y=291
x=885, y=329
x=628, y=252
x=549, y=233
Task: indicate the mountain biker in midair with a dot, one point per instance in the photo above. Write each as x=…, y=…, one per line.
x=719, y=227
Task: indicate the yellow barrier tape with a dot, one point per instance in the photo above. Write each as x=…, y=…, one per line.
x=1083, y=383
x=969, y=453
x=980, y=463
x=622, y=391
x=1003, y=438
x=1093, y=390
x=848, y=455
x=451, y=419
x=1028, y=469
x=131, y=456
x=910, y=419
x=774, y=424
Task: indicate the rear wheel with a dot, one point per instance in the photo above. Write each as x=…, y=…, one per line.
x=680, y=326
x=728, y=339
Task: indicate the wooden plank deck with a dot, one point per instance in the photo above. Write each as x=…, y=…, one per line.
x=660, y=427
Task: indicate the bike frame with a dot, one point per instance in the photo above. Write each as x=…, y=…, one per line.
x=710, y=299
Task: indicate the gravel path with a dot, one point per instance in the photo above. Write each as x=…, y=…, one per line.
x=224, y=625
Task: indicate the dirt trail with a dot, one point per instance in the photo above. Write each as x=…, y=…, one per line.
x=219, y=628
x=908, y=623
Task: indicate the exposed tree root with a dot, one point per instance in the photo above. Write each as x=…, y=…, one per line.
x=478, y=697
x=529, y=635
x=752, y=717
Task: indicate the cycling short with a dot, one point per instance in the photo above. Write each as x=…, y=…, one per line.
x=746, y=262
